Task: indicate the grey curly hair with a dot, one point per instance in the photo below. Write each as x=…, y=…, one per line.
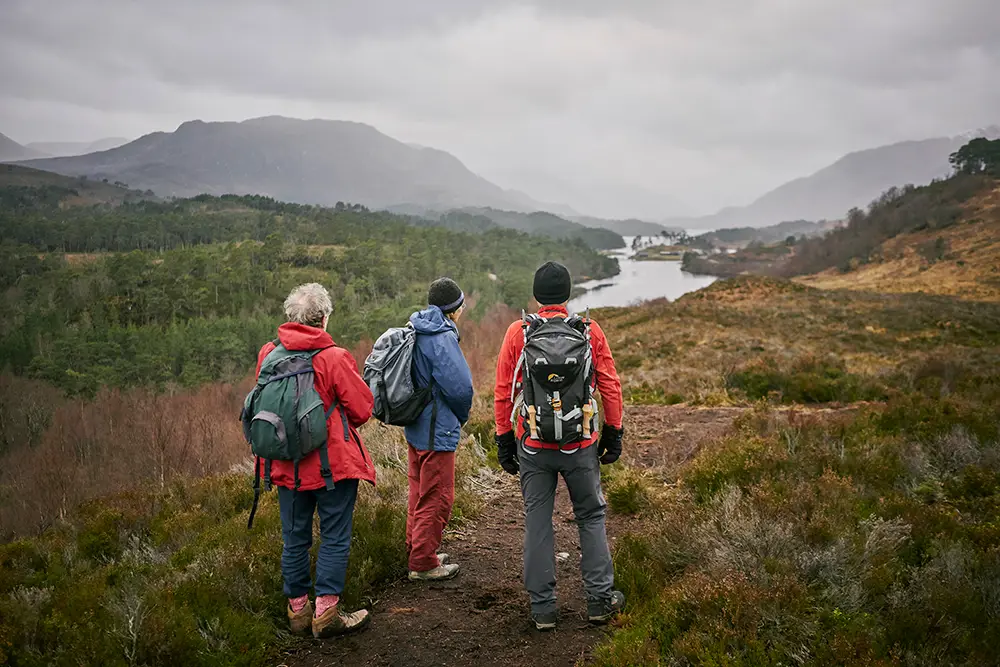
x=308, y=304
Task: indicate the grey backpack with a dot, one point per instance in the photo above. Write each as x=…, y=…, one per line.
x=389, y=374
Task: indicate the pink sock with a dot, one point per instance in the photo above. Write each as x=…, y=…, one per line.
x=298, y=604
x=324, y=602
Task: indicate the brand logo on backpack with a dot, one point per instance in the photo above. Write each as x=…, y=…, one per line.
x=556, y=404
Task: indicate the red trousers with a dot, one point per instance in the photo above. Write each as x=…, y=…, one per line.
x=432, y=494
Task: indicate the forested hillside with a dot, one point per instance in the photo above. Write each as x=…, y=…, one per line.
x=539, y=222
x=185, y=292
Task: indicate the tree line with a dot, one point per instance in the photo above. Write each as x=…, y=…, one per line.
x=185, y=292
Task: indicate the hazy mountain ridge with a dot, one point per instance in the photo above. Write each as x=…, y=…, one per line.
x=740, y=237
x=10, y=150
x=854, y=180
x=306, y=161
x=627, y=227
x=72, y=148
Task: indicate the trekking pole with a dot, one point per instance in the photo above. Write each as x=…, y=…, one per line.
x=588, y=407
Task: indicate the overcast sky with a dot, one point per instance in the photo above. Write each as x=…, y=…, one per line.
x=615, y=107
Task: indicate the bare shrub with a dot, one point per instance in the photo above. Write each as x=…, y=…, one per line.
x=130, y=612
x=736, y=537
x=956, y=450
x=119, y=440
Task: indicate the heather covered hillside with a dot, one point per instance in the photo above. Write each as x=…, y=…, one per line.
x=942, y=238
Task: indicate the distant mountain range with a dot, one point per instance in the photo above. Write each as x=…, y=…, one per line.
x=306, y=161
x=323, y=162
x=11, y=151
x=68, y=148
x=854, y=180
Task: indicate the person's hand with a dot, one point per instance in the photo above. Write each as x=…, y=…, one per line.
x=507, y=451
x=610, y=446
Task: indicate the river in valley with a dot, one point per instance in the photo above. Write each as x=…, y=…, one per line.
x=638, y=281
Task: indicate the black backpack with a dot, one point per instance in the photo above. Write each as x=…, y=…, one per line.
x=556, y=402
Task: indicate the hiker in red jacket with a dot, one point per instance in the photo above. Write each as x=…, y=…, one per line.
x=308, y=309
x=554, y=434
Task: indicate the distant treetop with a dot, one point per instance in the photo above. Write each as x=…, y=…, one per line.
x=979, y=156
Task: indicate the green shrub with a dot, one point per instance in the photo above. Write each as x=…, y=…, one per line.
x=628, y=493
x=173, y=578
x=868, y=538
x=807, y=380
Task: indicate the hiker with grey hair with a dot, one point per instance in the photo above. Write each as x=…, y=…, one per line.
x=324, y=479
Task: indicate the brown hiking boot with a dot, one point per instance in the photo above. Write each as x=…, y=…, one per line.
x=300, y=621
x=332, y=622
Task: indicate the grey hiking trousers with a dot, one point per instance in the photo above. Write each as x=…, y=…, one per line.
x=540, y=471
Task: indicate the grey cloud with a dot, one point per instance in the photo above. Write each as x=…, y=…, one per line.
x=617, y=107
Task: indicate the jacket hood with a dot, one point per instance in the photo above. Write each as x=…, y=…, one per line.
x=295, y=336
x=553, y=311
x=431, y=321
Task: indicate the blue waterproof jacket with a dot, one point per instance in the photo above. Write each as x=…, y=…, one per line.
x=440, y=362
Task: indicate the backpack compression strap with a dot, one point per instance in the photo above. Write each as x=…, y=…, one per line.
x=256, y=492
x=324, y=457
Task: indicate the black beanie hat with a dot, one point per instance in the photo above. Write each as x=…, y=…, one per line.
x=553, y=284
x=446, y=295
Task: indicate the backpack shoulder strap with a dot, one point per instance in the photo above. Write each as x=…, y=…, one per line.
x=313, y=353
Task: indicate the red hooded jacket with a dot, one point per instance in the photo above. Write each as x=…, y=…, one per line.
x=336, y=377
x=606, y=376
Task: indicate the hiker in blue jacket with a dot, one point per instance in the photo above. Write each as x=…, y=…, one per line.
x=433, y=438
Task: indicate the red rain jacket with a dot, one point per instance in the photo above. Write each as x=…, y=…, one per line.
x=606, y=377
x=336, y=377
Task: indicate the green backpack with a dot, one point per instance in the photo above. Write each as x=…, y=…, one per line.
x=283, y=416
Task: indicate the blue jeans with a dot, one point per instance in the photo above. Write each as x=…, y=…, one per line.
x=336, y=514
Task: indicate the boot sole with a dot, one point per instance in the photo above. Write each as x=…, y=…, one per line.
x=602, y=620
x=329, y=631
x=432, y=580
x=545, y=627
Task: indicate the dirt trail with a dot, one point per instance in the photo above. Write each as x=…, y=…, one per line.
x=481, y=618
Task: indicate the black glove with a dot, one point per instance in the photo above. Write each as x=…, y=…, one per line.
x=610, y=446
x=507, y=452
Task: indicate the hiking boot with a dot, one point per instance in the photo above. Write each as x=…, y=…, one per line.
x=546, y=621
x=300, y=621
x=440, y=573
x=332, y=622
x=602, y=611
x=443, y=559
